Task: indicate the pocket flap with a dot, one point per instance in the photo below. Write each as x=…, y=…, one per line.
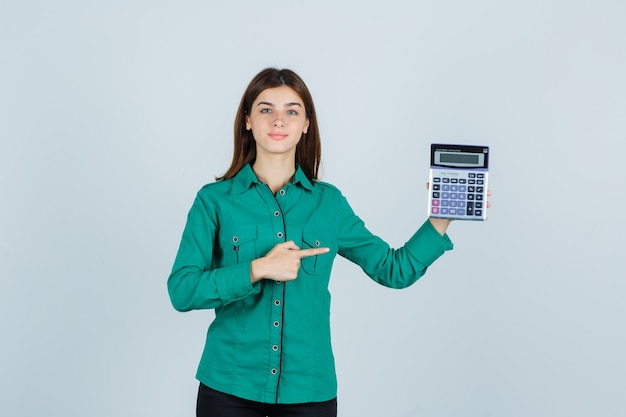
x=312, y=239
x=237, y=236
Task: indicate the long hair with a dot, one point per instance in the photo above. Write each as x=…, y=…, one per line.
x=308, y=150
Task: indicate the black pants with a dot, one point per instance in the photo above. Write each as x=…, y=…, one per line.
x=213, y=403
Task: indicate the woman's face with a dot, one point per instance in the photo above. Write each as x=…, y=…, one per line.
x=277, y=120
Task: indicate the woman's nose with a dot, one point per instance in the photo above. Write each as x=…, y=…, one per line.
x=279, y=121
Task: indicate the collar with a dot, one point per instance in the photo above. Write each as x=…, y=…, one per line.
x=246, y=177
x=302, y=179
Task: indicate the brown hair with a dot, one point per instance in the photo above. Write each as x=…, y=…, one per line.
x=308, y=150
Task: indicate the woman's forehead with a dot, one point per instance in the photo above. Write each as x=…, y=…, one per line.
x=279, y=95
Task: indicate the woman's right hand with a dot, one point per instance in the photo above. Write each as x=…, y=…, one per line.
x=282, y=262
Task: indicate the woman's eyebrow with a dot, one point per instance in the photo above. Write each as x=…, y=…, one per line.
x=267, y=103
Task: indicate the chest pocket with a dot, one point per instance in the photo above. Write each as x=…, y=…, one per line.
x=238, y=244
x=320, y=264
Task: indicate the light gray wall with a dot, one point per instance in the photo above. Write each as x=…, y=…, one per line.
x=113, y=114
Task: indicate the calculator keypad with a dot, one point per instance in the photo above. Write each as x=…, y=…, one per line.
x=458, y=194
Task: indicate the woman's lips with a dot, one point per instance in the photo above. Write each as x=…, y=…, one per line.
x=277, y=136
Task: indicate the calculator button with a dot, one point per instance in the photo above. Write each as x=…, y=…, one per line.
x=454, y=188
x=435, y=203
x=470, y=208
x=480, y=182
x=446, y=180
x=478, y=212
x=444, y=211
x=479, y=197
x=481, y=175
x=453, y=196
x=470, y=196
x=454, y=181
x=435, y=194
x=462, y=181
x=452, y=203
x=435, y=210
x=462, y=196
x=452, y=211
x=460, y=212
x=445, y=203
x=471, y=175
x=478, y=204
x=471, y=181
x=480, y=189
x=436, y=179
x=436, y=187
x=445, y=195
x=462, y=188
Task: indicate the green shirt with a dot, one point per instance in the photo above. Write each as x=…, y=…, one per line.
x=270, y=341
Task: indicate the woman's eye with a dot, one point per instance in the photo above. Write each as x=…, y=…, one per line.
x=266, y=110
x=292, y=112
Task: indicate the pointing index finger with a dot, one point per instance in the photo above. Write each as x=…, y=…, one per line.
x=304, y=253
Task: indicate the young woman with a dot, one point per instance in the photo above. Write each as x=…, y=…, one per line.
x=258, y=248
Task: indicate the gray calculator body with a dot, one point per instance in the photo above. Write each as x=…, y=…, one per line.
x=458, y=182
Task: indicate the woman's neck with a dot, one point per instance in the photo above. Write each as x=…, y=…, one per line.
x=275, y=173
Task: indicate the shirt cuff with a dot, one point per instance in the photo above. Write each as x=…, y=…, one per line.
x=427, y=244
x=234, y=283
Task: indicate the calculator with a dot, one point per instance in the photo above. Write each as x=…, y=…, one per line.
x=458, y=182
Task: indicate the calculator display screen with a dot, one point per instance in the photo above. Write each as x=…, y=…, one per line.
x=459, y=158
x=465, y=157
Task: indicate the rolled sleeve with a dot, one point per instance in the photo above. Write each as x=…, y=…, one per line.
x=233, y=283
x=427, y=244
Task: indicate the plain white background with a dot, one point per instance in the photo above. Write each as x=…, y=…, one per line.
x=113, y=114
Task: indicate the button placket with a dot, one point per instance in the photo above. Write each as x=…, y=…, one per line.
x=275, y=296
x=276, y=329
x=278, y=222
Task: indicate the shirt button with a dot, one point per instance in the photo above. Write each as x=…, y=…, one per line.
x=276, y=213
x=278, y=282
x=275, y=348
x=274, y=371
x=282, y=192
x=279, y=234
x=276, y=324
x=277, y=302
x=317, y=243
x=235, y=239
